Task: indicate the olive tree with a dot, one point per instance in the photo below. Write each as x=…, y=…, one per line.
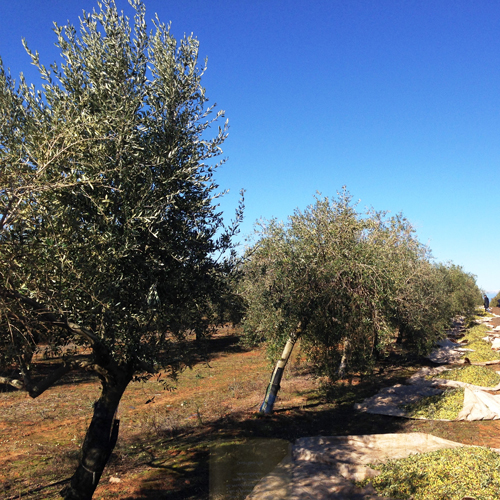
x=437, y=294
x=112, y=247
x=495, y=301
x=348, y=284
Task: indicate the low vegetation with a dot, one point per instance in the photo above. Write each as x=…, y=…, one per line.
x=480, y=349
x=444, y=406
x=472, y=374
x=448, y=474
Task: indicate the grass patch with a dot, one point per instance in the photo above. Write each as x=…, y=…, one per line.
x=472, y=374
x=449, y=474
x=444, y=406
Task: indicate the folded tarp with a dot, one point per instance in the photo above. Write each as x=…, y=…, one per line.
x=478, y=404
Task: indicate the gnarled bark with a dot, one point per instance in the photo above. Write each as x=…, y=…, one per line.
x=14, y=382
x=101, y=437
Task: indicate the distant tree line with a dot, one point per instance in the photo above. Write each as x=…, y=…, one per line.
x=495, y=301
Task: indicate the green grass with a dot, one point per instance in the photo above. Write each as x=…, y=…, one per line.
x=444, y=406
x=448, y=474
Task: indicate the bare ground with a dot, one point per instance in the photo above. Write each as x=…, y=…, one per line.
x=166, y=436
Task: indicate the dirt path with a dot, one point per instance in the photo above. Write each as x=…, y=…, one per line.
x=495, y=321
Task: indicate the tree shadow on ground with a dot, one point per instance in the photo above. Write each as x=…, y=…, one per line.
x=191, y=480
x=216, y=346
x=189, y=477
x=330, y=413
x=202, y=351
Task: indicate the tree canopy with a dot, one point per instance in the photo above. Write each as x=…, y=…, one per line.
x=495, y=301
x=111, y=239
x=349, y=284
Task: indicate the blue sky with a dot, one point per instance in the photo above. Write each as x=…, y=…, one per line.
x=397, y=100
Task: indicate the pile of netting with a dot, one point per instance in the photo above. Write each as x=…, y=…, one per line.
x=463, y=389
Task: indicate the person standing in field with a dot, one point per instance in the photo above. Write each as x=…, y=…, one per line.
x=486, y=303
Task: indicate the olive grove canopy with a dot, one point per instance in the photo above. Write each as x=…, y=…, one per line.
x=110, y=233
x=349, y=284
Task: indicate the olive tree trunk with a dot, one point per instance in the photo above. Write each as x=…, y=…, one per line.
x=343, y=360
x=100, y=439
x=274, y=384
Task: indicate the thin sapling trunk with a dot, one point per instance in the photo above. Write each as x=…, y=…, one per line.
x=274, y=384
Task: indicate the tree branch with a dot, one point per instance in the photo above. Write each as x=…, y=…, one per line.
x=18, y=384
x=49, y=317
x=38, y=388
x=34, y=390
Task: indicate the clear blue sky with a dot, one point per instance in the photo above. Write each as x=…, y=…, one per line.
x=397, y=100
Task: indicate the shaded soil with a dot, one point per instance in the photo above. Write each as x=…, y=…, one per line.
x=166, y=435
